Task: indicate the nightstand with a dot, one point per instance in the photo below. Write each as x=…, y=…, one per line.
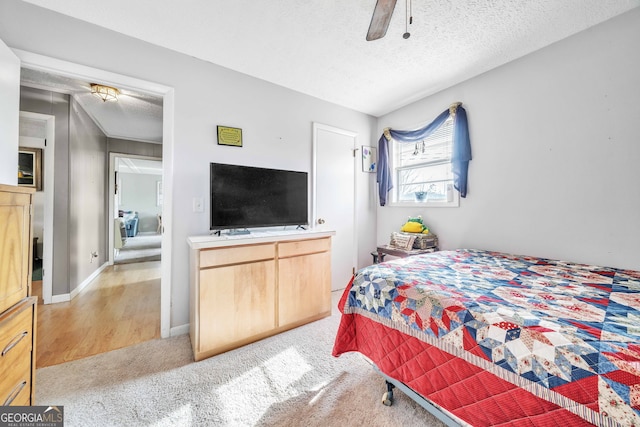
x=402, y=253
x=377, y=257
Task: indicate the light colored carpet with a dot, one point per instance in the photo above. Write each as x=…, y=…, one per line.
x=287, y=380
x=140, y=248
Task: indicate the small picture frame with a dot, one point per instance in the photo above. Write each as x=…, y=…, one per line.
x=229, y=136
x=369, y=159
x=30, y=167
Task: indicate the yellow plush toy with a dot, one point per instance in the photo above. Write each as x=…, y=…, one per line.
x=414, y=225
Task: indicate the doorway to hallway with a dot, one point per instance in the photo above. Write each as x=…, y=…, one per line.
x=135, y=202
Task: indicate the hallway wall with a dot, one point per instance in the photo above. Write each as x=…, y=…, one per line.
x=56, y=104
x=88, y=196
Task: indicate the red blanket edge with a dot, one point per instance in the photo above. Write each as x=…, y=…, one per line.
x=501, y=404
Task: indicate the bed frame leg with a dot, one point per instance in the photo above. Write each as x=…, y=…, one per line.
x=387, y=398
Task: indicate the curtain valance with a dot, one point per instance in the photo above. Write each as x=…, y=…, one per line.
x=460, y=156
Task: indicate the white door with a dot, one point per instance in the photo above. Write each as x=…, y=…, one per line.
x=9, y=111
x=334, y=190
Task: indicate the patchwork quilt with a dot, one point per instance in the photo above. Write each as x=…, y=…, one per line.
x=567, y=333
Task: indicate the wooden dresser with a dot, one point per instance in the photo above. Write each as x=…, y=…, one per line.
x=246, y=289
x=17, y=306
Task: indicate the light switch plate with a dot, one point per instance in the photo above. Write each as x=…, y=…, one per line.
x=198, y=204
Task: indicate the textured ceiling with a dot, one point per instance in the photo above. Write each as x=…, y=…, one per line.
x=318, y=47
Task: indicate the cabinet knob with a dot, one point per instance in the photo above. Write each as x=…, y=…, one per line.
x=320, y=221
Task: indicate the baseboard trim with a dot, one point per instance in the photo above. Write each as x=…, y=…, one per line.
x=85, y=282
x=179, y=330
x=60, y=298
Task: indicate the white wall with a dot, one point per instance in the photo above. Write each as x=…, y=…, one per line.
x=9, y=115
x=139, y=194
x=555, y=138
x=276, y=122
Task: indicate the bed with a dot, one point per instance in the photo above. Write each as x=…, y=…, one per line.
x=492, y=339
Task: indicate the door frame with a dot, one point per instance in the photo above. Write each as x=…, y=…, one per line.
x=48, y=177
x=69, y=69
x=112, y=170
x=314, y=168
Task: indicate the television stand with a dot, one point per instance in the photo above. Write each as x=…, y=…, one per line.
x=238, y=232
x=249, y=288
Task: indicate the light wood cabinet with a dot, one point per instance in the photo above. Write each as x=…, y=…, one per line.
x=17, y=353
x=17, y=307
x=15, y=244
x=232, y=298
x=303, y=297
x=247, y=289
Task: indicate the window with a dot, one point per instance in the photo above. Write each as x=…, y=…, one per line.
x=422, y=171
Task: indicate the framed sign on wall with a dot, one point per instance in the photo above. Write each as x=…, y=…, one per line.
x=229, y=136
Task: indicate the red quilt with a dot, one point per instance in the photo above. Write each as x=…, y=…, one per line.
x=461, y=338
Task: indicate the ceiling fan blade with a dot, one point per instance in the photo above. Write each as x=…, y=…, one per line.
x=380, y=19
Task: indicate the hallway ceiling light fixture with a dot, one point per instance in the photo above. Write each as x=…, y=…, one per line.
x=106, y=93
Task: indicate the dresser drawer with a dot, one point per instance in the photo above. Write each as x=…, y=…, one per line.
x=236, y=255
x=15, y=388
x=303, y=247
x=16, y=338
x=16, y=353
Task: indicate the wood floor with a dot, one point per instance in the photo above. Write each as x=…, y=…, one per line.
x=121, y=307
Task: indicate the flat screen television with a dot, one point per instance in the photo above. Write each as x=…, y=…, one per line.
x=244, y=196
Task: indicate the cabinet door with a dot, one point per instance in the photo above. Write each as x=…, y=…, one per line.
x=236, y=303
x=15, y=248
x=304, y=287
